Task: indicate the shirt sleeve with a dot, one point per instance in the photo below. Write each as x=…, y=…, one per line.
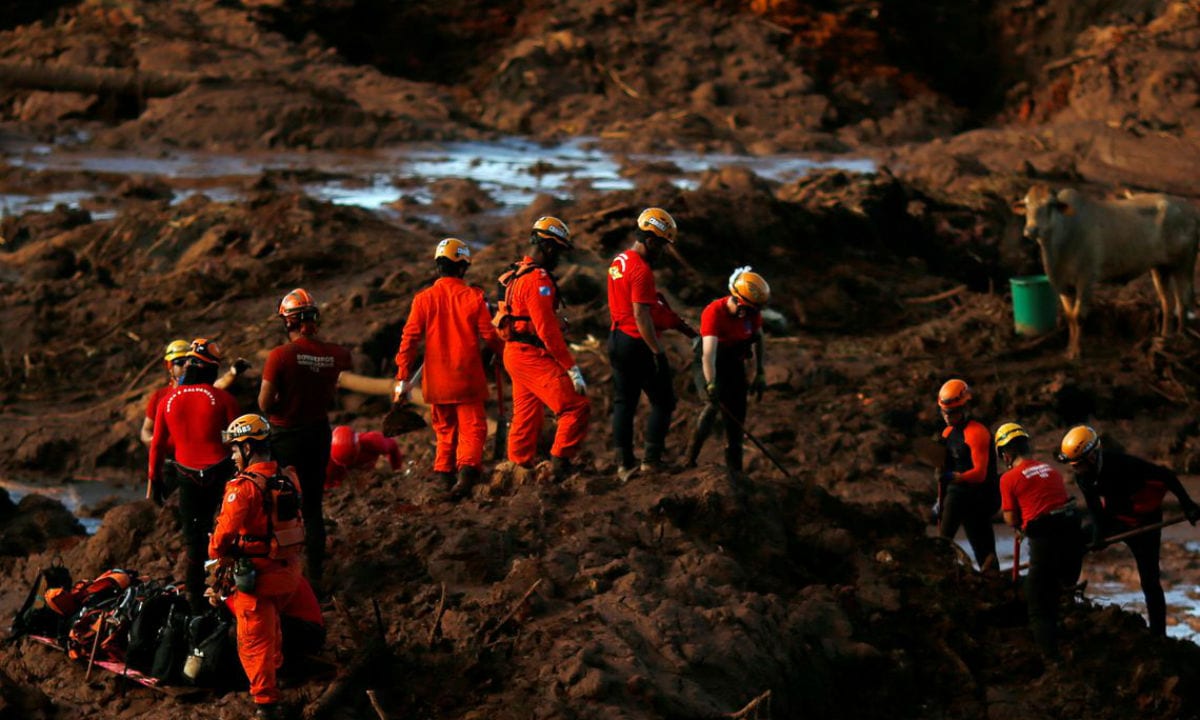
x=1008, y=500
x=980, y=442
x=152, y=404
x=709, y=326
x=158, y=443
x=414, y=330
x=235, y=508
x=540, y=296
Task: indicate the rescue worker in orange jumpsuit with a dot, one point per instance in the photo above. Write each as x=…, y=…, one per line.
x=243, y=531
x=730, y=331
x=191, y=417
x=299, y=386
x=350, y=450
x=967, y=489
x=452, y=318
x=1123, y=493
x=543, y=371
x=639, y=361
x=1035, y=502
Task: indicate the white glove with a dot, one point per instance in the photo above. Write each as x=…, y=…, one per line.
x=400, y=394
x=576, y=376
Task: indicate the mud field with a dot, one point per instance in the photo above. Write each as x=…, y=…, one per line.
x=338, y=141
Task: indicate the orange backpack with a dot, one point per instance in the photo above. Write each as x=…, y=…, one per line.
x=285, y=525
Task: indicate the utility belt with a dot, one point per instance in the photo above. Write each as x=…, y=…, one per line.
x=216, y=473
x=526, y=339
x=1055, y=520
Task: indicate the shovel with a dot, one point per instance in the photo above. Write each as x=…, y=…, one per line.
x=403, y=416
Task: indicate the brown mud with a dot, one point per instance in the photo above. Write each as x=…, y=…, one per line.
x=673, y=596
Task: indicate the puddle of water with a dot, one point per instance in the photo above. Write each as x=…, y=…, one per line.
x=512, y=171
x=74, y=496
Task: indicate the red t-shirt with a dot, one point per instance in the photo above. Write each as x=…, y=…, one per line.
x=152, y=409
x=630, y=281
x=194, y=416
x=1033, y=487
x=728, y=329
x=304, y=373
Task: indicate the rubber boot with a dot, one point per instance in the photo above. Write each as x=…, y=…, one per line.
x=561, y=467
x=700, y=433
x=652, y=458
x=445, y=480
x=468, y=477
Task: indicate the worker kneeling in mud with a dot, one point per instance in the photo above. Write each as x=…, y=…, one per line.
x=1035, y=502
x=730, y=331
x=1124, y=493
x=260, y=531
x=967, y=486
x=351, y=450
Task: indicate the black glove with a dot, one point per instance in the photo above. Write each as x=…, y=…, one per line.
x=240, y=366
x=759, y=385
x=1191, y=511
x=713, y=391
x=662, y=368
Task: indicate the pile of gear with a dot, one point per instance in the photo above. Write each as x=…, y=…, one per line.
x=126, y=623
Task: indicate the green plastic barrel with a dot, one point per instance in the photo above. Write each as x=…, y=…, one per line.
x=1035, y=305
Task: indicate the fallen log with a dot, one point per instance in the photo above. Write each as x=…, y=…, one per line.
x=96, y=81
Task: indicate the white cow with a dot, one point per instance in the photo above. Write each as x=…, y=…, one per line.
x=1085, y=241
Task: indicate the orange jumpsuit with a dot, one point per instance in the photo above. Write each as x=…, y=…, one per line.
x=259, y=638
x=452, y=317
x=538, y=367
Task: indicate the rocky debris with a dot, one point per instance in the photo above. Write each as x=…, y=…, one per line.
x=33, y=524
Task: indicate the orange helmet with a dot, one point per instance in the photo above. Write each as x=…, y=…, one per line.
x=1079, y=444
x=206, y=351
x=749, y=288
x=657, y=222
x=297, y=302
x=553, y=230
x=454, y=250
x=344, y=448
x=246, y=428
x=176, y=350
x=954, y=394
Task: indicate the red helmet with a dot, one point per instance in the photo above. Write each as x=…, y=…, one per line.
x=344, y=448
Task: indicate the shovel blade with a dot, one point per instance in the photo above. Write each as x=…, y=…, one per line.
x=401, y=420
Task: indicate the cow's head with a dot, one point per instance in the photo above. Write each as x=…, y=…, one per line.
x=1040, y=206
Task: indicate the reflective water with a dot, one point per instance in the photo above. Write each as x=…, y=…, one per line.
x=512, y=171
x=77, y=497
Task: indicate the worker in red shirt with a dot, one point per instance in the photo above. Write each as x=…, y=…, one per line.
x=639, y=361
x=730, y=331
x=299, y=386
x=192, y=417
x=246, y=534
x=351, y=450
x=453, y=320
x=174, y=359
x=1035, y=502
x=967, y=488
x=543, y=371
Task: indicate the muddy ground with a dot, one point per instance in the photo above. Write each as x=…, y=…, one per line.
x=667, y=597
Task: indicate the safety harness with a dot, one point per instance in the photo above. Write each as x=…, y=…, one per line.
x=285, y=526
x=504, y=321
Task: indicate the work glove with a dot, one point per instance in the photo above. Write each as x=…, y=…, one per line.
x=713, y=391
x=576, y=376
x=1191, y=511
x=240, y=366
x=400, y=392
x=662, y=368
x=936, y=512
x=759, y=385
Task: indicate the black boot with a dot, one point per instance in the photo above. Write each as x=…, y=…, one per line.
x=445, y=480
x=561, y=467
x=468, y=477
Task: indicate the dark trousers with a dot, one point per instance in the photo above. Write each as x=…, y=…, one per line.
x=200, y=493
x=1055, y=559
x=306, y=448
x=731, y=392
x=969, y=505
x=633, y=373
x=1145, y=549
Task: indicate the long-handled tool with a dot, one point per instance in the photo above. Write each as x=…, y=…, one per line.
x=402, y=417
x=740, y=426
x=1016, y=568
x=1144, y=529
x=500, y=449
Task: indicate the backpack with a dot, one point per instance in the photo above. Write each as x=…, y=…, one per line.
x=111, y=584
x=212, y=659
x=35, y=617
x=285, y=525
x=171, y=644
x=504, y=321
x=149, y=613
